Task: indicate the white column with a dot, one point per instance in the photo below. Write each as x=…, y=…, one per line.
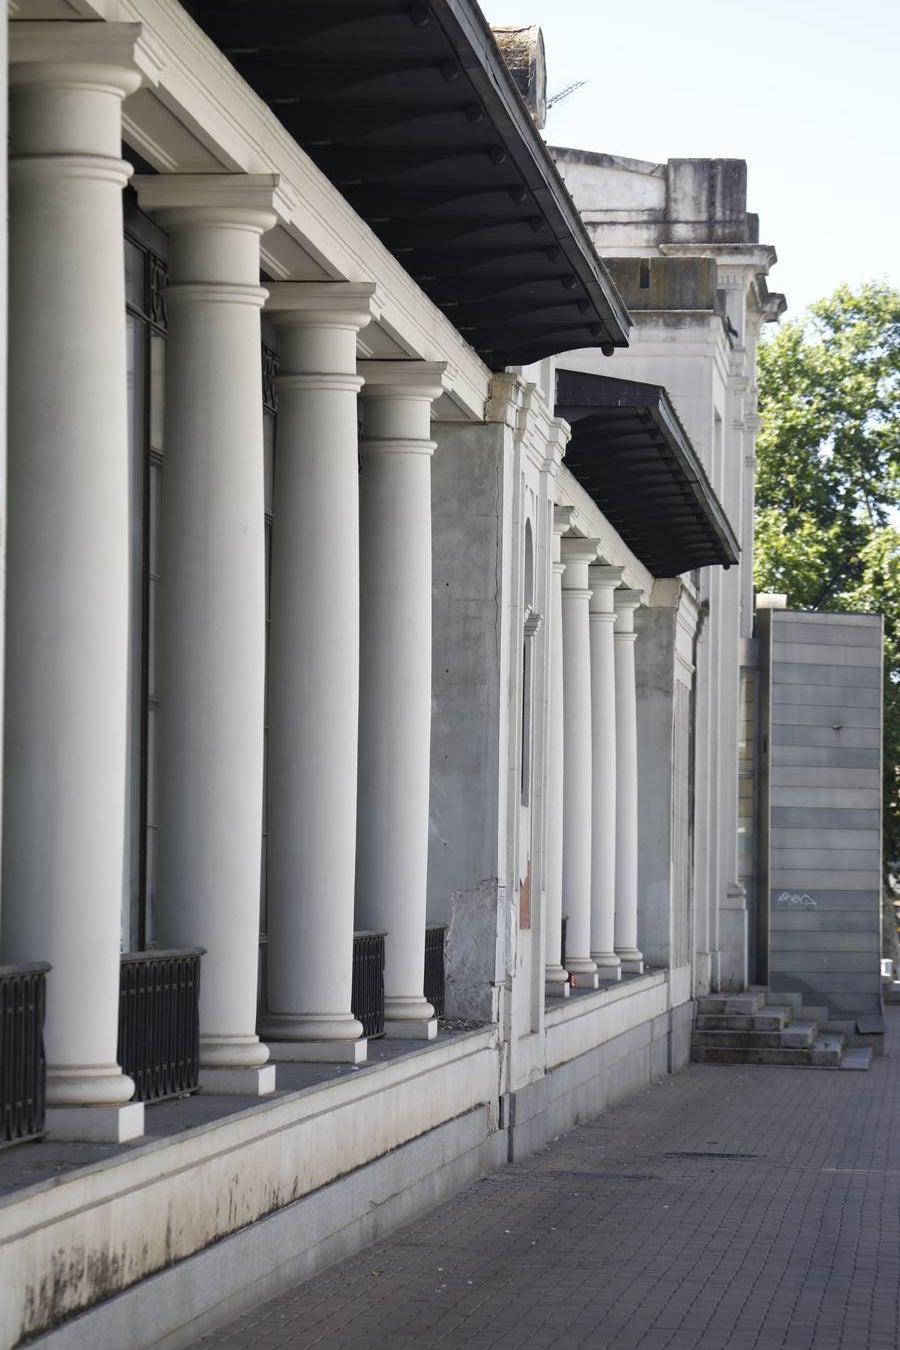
x=314, y=673
x=68, y=555
x=604, y=581
x=577, y=554
x=395, y=678
x=624, y=637
x=556, y=978
x=212, y=607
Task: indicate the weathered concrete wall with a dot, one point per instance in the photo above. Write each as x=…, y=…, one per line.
x=666, y=283
x=639, y=204
x=464, y=885
x=93, y=1232
x=193, y=1297
x=824, y=806
x=655, y=682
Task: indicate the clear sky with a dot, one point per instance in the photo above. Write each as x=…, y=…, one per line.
x=806, y=91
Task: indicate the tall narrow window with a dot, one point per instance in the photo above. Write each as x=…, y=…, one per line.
x=529, y=628
x=145, y=276
x=269, y=371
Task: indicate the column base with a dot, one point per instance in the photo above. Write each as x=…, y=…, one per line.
x=329, y=1028
x=609, y=967
x=582, y=973
x=81, y=1086
x=411, y=1029
x=319, y=1052
x=96, y=1124
x=556, y=982
x=232, y=1052
x=632, y=960
x=239, y=1082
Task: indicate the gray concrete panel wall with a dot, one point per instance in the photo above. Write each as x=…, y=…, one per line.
x=823, y=806
x=466, y=502
x=654, y=681
x=463, y=865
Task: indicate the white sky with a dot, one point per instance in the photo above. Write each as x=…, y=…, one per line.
x=806, y=91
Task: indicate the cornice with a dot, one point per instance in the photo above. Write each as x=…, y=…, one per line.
x=199, y=87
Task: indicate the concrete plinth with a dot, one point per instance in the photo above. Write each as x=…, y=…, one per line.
x=318, y=1052
x=424, y=1029
x=96, y=1124
x=239, y=1082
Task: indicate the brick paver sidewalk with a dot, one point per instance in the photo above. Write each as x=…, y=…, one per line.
x=728, y=1208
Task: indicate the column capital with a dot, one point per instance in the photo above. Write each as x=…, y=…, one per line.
x=117, y=57
x=425, y=380
x=576, y=554
x=603, y=581
x=322, y=304
x=576, y=550
x=246, y=199
x=625, y=602
x=562, y=519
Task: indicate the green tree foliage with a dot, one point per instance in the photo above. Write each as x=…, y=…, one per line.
x=828, y=486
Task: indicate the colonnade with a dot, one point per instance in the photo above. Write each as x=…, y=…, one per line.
x=593, y=790
x=335, y=758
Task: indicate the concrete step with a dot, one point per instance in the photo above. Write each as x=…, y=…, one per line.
x=780, y=997
x=796, y=1057
x=738, y=1039
x=763, y=1027
x=744, y=1005
x=856, y=1057
x=769, y=1019
x=800, y=1034
x=827, y=1052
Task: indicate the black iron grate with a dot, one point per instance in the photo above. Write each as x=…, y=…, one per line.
x=367, y=997
x=159, y=1022
x=434, y=966
x=23, y=1069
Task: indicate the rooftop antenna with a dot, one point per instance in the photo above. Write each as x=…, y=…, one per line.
x=564, y=93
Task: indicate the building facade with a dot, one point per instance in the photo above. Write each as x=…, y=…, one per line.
x=361, y=580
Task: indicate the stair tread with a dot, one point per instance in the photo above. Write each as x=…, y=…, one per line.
x=760, y=1026
x=857, y=1057
x=761, y=1021
x=793, y=1057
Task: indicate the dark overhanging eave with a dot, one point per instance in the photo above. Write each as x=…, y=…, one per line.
x=634, y=459
x=412, y=112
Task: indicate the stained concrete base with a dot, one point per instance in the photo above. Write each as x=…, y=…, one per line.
x=173, y=1308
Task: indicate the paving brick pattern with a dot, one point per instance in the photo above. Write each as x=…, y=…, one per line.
x=732, y=1207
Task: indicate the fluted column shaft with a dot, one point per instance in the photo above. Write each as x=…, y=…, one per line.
x=556, y=978
x=69, y=555
x=626, y=602
x=395, y=678
x=577, y=554
x=603, y=582
x=314, y=672
x=212, y=606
